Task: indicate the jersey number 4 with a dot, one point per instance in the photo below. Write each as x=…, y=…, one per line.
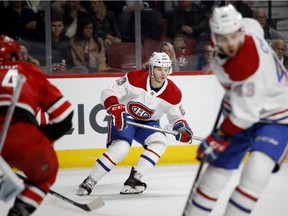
x=10, y=78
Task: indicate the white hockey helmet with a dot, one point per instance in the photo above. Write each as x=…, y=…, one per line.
x=160, y=59
x=225, y=20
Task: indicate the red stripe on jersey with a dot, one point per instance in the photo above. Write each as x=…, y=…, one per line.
x=153, y=152
x=108, y=158
x=205, y=195
x=5, y=98
x=110, y=101
x=278, y=113
x=245, y=63
x=60, y=110
x=42, y=117
x=246, y=194
x=229, y=128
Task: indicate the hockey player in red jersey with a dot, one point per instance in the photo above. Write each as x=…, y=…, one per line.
x=28, y=146
x=256, y=103
x=144, y=96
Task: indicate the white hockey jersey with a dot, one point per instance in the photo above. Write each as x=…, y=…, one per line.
x=142, y=103
x=256, y=85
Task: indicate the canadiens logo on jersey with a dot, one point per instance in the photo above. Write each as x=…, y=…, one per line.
x=139, y=111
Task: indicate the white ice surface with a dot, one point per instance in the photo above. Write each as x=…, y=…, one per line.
x=166, y=194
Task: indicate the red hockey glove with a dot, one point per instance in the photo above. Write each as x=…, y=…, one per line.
x=212, y=146
x=119, y=116
x=185, y=132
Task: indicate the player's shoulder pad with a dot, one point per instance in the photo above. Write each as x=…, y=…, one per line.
x=245, y=63
x=172, y=94
x=138, y=78
x=252, y=26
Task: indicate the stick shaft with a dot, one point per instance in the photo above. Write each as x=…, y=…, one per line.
x=160, y=129
x=87, y=207
x=15, y=96
x=152, y=128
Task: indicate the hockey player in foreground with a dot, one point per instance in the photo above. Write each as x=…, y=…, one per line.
x=256, y=100
x=28, y=146
x=144, y=96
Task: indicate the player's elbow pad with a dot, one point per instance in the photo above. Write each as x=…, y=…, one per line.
x=55, y=131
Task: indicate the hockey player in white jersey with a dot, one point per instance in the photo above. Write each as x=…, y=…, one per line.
x=144, y=96
x=256, y=101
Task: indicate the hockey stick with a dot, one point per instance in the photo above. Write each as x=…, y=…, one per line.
x=95, y=204
x=173, y=132
x=15, y=96
x=199, y=171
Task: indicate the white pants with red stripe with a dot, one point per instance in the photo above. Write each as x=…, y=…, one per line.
x=255, y=176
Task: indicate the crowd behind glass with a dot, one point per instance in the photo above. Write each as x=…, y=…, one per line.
x=99, y=36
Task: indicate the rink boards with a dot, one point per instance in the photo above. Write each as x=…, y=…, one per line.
x=87, y=140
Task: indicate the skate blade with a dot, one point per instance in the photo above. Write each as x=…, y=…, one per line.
x=129, y=190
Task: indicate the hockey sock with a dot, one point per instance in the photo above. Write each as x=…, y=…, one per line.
x=205, y=197
x=156, y=146
x=115, y=153
x=255, y=176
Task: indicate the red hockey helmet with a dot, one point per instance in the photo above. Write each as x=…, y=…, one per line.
x=8, y=49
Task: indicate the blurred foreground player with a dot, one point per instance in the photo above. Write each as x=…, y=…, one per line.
x=256, y=102
x=28, y=146
x=144, y=96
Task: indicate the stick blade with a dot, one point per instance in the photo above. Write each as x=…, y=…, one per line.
x=95, y=204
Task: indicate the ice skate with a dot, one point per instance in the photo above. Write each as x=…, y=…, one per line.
x=86, y=187
x=133, y=185
x=21, y=209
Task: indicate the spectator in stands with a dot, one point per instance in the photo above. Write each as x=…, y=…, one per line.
x=105, y=24
x=87, y=49
x=170, y=5
x=269, y=33
x=19, y=22
x=280, y=47
x=188, y=18
x=183, y=54
x=150, y=19
x=73, y=12
x=168, y=48
x=57, y=6
x=243, y=8
x=26, y=57
x=205, y=58
x=2, y=17
x=61, y=54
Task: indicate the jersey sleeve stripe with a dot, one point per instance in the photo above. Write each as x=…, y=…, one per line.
x=61, y=113
x=56, y=105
